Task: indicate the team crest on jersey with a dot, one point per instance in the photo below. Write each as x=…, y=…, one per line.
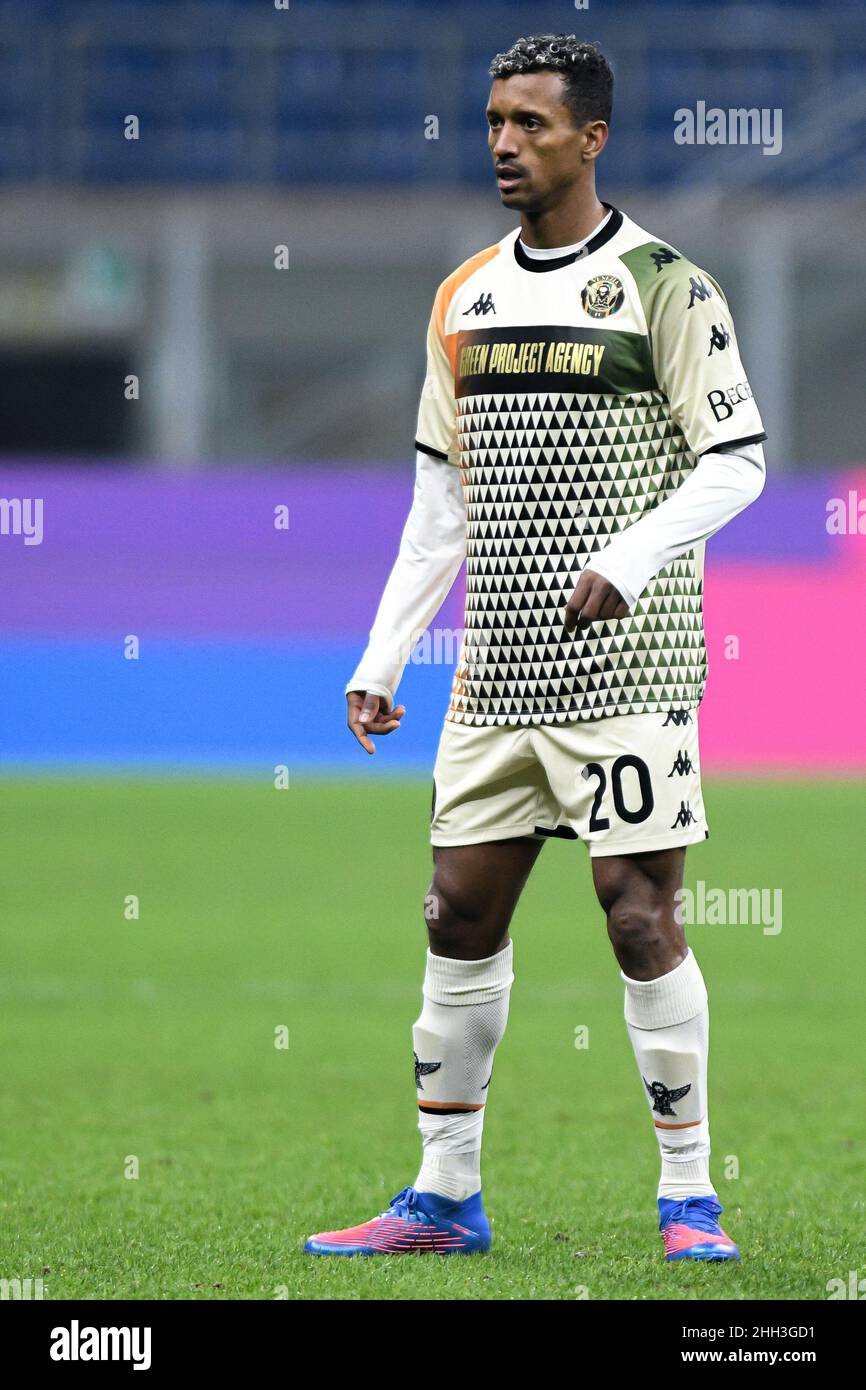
x=602, y=296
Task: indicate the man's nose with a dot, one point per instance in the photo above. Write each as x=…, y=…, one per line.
x=505, y=143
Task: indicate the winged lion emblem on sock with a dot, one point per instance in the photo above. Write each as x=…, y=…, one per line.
x=662, y=1098
x=423, y=1069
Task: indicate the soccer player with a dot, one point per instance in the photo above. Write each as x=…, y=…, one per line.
x=586, y=423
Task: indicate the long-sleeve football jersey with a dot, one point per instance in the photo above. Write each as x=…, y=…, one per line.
x=576, y=394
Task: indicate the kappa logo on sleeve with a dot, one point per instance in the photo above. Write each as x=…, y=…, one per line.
x=664, y=256
x=698, y=290
x=720, y=339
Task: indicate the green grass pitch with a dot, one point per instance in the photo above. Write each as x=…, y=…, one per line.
x=153, y=1039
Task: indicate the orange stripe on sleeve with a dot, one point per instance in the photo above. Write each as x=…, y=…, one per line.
x=446, y=293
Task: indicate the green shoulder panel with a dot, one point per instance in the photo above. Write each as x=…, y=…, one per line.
x=659, y=271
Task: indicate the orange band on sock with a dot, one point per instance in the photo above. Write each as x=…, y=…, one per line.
x=448, y=1105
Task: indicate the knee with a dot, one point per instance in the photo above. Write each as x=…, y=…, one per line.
x=635, y=924
x=635, y=913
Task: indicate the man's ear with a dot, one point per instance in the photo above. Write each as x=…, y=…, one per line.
x=595, y=139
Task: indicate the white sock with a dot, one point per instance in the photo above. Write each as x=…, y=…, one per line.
x=455, y=1037
x=668, y=1022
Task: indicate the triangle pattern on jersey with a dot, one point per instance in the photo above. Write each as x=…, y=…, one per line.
x=549, y=479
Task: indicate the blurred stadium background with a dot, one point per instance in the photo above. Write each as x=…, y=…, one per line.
x=262, y=388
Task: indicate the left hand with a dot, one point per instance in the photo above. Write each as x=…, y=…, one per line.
x=594, y=600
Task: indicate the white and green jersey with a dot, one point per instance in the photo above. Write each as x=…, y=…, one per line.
x=575, y=394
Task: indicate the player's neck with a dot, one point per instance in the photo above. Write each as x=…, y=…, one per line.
x=570, y=222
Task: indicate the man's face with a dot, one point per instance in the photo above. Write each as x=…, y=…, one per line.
x=537, y=150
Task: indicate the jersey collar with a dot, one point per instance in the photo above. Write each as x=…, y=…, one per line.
x=609, y=230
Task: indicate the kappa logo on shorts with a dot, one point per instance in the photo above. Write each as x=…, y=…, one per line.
x=683, y=765
x=677, y=716
x=685, y=815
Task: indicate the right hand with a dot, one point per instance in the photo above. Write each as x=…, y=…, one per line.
x=371, y=714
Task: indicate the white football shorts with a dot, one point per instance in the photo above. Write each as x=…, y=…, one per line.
x=625, y=784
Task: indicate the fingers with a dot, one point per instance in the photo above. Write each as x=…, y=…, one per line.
x=362, y=737
x=370, y=708
x=577, y=602
x=370, y=715
x=594, y=600
x=610, y=604
x=362, y=708
x=386, y=722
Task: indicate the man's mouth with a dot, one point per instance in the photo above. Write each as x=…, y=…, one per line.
x=507, y=176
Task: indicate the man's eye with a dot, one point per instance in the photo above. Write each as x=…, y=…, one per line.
x=531, y=123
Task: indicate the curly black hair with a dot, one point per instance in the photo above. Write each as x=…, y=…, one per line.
x=585, y=71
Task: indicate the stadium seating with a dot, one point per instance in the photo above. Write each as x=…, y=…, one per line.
x=259, y=94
